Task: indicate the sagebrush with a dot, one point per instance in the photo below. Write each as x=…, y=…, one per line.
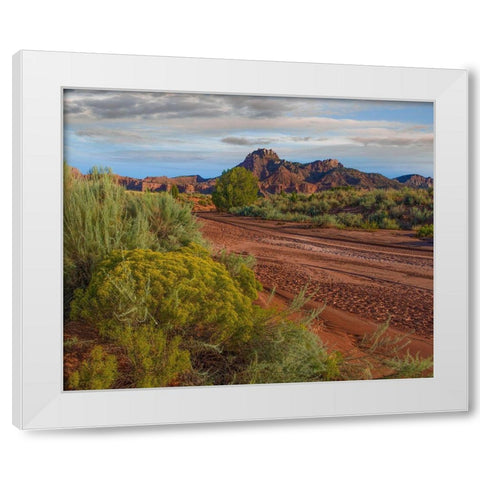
x=406, y=208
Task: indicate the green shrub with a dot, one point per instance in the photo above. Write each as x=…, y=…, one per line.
x=95, y=222
x=171, y=222
x=398, y=211
x=101, y=216
x=389, y=223
x=205, y=200
x=325, y=220
x=348, y=219
x=240, y=269
x=351, y=208
x=426, y=231
x=289, y=352
x=409, y=366
x=70, y=344
x=98, y=372
x=154, y=361
x=422, y=216
x=235, y=188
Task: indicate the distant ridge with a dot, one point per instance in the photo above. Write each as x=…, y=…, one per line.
x=415, y=181
x=276, y=175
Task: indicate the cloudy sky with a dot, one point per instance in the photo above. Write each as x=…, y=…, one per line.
x=142, y=133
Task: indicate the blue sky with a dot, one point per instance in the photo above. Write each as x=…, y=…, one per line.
x=142, y=134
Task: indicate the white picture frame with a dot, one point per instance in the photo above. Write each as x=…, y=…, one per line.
x=39, y=401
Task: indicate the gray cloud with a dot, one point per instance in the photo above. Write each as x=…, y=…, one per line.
x=106, y=134
x=396, y=141
x=246, y=141
x=125, y=135
x=124, y=105
x=300, y=139
x=134, y=105
x=269, y=140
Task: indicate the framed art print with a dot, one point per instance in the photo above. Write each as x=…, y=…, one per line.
x=200, y=240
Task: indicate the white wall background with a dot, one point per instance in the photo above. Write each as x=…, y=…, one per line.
x=409, y=33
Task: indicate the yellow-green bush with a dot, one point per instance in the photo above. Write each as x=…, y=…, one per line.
x=184, y=293
x=98, y=372
x=181, y=317
x=172, y=313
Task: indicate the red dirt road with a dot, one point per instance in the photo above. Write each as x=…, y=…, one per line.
x=363, y=277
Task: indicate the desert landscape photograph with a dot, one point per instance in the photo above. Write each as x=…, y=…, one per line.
x=232, y=239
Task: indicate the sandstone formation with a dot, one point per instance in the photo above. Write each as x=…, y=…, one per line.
x=276, y=175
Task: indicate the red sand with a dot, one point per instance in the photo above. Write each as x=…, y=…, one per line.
x=363, y=277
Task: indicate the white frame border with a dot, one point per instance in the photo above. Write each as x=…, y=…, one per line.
x=38, y=398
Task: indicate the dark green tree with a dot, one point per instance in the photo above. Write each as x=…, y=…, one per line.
x=235, y=188
x=174, y=191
